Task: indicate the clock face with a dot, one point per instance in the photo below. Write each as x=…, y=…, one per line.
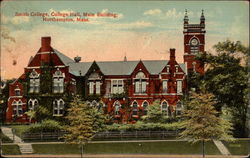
x=194, y=42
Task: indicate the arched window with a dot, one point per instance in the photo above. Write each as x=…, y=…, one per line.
x=145, y=107
x=17, y=109
x=140, y=83
x=135, y=108
x=32, y=104
x=178, y=108
x=164, y=108
x=34, y=82
x=58, y=107
x=58, y=82
x=117, y=107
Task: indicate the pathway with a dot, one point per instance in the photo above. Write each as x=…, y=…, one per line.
x=221, y=147
x=25, y=148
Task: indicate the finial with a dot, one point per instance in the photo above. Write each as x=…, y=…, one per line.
x=186, y=11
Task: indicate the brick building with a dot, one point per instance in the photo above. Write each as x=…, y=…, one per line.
x=124, y=89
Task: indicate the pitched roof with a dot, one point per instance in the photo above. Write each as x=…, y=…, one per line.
x=66, y=60
x=113, y=67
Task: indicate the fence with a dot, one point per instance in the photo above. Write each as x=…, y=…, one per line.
x=118, y=135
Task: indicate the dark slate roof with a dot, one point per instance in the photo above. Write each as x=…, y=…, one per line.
x=66, y=60
x=114, y=67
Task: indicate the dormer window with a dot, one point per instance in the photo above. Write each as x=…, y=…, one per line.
x=167, y=68
x=140, y=83
x=94, y=83
x=17, y=91
x=58, y=82
x=34, y=82
x=176, y=68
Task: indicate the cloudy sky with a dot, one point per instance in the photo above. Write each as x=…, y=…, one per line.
x=142, y=30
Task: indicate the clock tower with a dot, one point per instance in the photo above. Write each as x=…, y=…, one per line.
x=194, y=43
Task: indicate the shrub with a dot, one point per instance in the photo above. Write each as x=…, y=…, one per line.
x=45, y=126
x=142, y=126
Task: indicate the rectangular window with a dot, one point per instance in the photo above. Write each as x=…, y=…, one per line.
x=14, y=109
x=117, y=86
x=165, y=86
x=179, y=86
x=32, y=84
x=137, y=87
x=20, y=110
x=36, y=85
x=17, y=92
x=98, y=87
x=144, y=85
x=91, y=87
x=61, y=87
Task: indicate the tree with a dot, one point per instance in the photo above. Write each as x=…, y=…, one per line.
x=202, y=122
x=84, y=122
x=31, y=114
x=226, y=77
x=154, y=113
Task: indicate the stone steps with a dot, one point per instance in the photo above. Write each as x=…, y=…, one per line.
x=25, y=148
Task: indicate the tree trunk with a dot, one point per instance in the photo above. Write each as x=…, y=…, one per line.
x=81, y=150
x=203, y=148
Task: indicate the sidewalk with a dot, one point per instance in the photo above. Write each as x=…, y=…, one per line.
x=125, y=156
x=25, y=148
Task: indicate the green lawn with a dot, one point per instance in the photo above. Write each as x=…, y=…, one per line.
x=4, y=138
x=171, y=147
x=238, y=147
x=19, y=129
x=10, y=150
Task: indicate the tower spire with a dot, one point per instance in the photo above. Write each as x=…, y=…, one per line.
x=186, y=17
x=202, y=19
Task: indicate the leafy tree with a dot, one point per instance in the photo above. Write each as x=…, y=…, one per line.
x=84, y=122
x=226, y=77
x=202, y=122
x=31, y=114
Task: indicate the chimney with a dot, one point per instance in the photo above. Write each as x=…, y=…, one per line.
x=77, y=59
x=172, y=54
x=45, y=46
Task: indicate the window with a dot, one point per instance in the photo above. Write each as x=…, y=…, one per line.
x=135, y=108
x=145, y=108
x=34, y=82
x=140, y=83
x=17, y=108
x=117, y=106
x=165, y=86
x=178, y=108
x=58, y=107
x=91, y=87
x=32, y=104
x=98, y=87
x=58, y=82
x=179, y=86
x=164, y=108
x=167, y=68
x=117, y=86
x=176, y=68
x=17, y=91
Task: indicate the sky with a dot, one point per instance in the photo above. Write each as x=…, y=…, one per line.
x=141, y=29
